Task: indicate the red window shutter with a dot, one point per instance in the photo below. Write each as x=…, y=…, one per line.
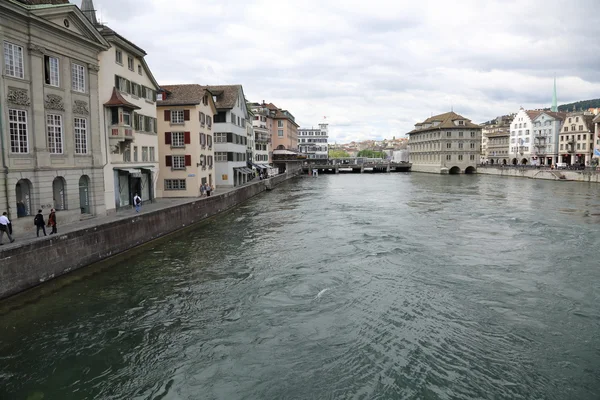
x=167, y=115
x=186, y=138
x=167, y=137
x=188, y=161
x=186, y=115
x=169, y=161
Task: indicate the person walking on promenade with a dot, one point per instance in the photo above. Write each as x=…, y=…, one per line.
x=202, y=190
x=208, y=190
x=4, y=228
x=39, y=223
x=137, y=201
x=52, y=221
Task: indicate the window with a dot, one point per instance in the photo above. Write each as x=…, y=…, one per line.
x=472, y=145
x=280, y=132
x=54, y=130
x=209, y=121
x=78, y=82
x=178, y=162
x=149, y=94
x=585, y=136
x=135, y=153
x=448, y=134
x=280, y=124
x=177, y=117
x=144, y=153
x=126, y=118
x=460, y=145
x=448, y=157
x=583, y=146
x=221, y=137
x=175, y=184
x=122, y=84
x=220, y=156
x=17, y=125
x=13, y=60
x=580, y=127
x=233, y=118
x=177, y=139
x=472, y=157
x=126, y=155
x=202, y=119
x=448, y=145
x=139, y=69
x=130, y=63
x=80, y=125
x=576, y=119
x=460, y=157
x=136, y=89
x=566, y=129
x=202, y=140
x=52, y=73
x=119, y=56
x=472, y=134
x=460, y=134
x=152, y=154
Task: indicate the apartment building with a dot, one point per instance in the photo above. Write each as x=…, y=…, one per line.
x=230, y=136
x=313, y=142
x=284, y=132
x=185, y=139
x=576, y=138
x=445, y=143
x=495, y=141
x=546, y=129
x=262, y=122
x=51, y=146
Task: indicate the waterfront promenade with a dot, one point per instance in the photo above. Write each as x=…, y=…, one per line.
x=540, y=172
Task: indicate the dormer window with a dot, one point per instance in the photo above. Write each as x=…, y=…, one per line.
x=461, y=122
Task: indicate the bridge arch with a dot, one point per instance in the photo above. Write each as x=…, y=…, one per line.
x=470, y=170
x=454, y=170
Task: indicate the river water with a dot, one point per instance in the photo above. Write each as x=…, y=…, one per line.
x=373, y=286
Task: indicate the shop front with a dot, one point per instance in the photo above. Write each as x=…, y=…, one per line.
x=132, y=181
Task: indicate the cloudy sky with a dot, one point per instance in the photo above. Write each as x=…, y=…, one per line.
x=376, y=67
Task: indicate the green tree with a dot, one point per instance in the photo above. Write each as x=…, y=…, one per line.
x=371, y=154
x=338, y=154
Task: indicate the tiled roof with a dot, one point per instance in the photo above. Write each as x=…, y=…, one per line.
x=445, y=120
x=116, y=100
x=40, y=2
x=533, y=114
x=597, y=119
x=227, y=95
x=182, y=94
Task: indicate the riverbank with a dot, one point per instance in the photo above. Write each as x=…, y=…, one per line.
x=31, y=262
x=546, y=174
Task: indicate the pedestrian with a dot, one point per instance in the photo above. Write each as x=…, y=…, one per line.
x=137, y=201
x=208, y=190
x=39, y=223
x=202, y=190
x=52, y=221
x=5, y=228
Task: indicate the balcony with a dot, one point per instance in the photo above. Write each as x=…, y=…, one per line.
x=120, y=134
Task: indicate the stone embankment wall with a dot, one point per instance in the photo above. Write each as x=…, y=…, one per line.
x=532, y=173
x=30, y=265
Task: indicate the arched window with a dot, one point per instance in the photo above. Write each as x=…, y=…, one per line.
x=23, y=191
x=59, y=193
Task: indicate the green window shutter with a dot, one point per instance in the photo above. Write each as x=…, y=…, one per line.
x=143, y=90
x=154, y=95
x=136, y=124
x=128, y=86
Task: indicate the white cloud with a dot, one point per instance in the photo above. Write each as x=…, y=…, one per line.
x=373, y=68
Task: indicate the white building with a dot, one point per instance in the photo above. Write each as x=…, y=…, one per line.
x=263, y=125
x=314, y=142
x=230, y=136
x=521, y=137
x=50, y=138
x=546, y=128
x=127, y=91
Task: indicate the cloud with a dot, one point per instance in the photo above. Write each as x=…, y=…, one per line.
x=373, y=68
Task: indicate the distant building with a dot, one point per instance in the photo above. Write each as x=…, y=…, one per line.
x=185, y=140
x=576, y=138
x=546, y=129
x=521, y=136
x=313, y=142
x=445, y=143
x=596, y=156
x=495, y=141
x=284, y=133
x=262, y=123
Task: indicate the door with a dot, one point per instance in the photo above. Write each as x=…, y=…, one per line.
x=135, y=187
x=84, y=195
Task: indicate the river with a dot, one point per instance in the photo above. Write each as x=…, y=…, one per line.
x=373, y=286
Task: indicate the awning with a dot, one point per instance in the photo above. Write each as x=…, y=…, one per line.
x=248, y=170
x=131, y=171
x=244, y=170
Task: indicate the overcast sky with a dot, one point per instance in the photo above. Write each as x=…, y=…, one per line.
x=373, y=68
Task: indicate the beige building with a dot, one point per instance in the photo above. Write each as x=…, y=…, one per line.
x=596, y=156
x=50, y=131
x=284, y=132
x=262, y=123
x=576, y=138
x=496, y=138
x=128, y=96
x=185, y=139
x=445, y=143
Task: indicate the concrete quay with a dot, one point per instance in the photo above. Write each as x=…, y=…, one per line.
x=31, y=261
x=542, y=173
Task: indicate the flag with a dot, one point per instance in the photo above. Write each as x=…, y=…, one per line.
x=596, y=152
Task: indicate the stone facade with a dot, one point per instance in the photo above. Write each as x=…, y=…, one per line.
x=51, y=146
x=576, y=138
x=445, y=143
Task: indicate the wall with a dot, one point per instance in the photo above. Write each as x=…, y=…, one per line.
x=31, y=264
x=542, y=174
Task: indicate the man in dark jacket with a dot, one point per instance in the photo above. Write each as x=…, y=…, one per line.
x=38, y=221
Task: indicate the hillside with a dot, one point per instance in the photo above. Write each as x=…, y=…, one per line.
x=580, y=105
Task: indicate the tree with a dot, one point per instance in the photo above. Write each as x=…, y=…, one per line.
x=371, y=154
x=338, y=154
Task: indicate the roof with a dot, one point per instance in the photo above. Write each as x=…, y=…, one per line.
x=227, y=95
x=446, y=121
x=116, y=100
x=597, y=119
x=183, y=94
x=533, y=114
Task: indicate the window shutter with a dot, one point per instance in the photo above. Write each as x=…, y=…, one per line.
x=143, y=90
x=186, y=138
x=167, y=137
x=155, y=123
x=47, y=69
x=128, y=86
x=186, y=115
x=167, y=115
x=188, y=160
x=136, y=122
x=153, y=95
x=169, y=161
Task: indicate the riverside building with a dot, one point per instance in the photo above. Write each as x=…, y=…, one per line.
x=50, y=130
x=496, y=136
x=546, y=129
x=230, y=136
x=128, y=96
x=576, y=138
x=185, y=139
x=445, y=143
x=314, y=142
x=262, y=123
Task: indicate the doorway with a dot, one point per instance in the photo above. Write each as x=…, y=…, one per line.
x=84, y=194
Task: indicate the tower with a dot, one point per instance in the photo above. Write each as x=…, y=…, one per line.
x=87, y=7
x=554, y=99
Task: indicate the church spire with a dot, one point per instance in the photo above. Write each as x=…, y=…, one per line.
x=87, y=7
x=554, y=99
